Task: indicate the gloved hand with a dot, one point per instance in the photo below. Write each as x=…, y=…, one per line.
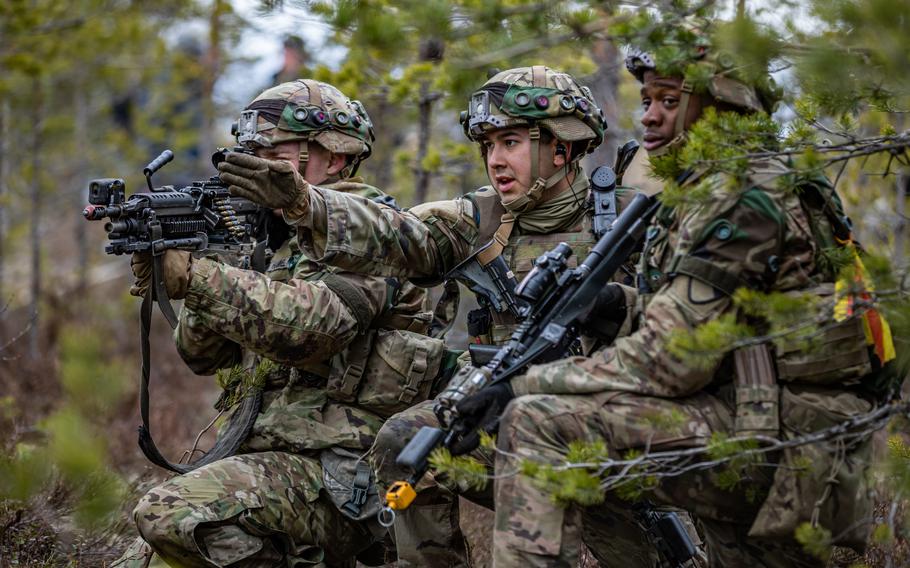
x=481, y=411
x=607, y=315
x=275, y=184
x=176, y=266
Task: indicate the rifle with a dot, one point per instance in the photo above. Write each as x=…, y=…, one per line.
x=200, y=216
x=556, y=300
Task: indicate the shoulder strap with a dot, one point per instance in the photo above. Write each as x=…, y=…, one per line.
x=494, y=225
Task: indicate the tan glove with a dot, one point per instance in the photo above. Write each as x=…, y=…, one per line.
x=177, y=267
x=275, y=184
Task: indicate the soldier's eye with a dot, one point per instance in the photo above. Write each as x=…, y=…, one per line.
x=645, y=103
x=669, y=101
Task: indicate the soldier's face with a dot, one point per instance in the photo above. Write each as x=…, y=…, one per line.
x=509, y=160
x=660, y=97
x=321, y=164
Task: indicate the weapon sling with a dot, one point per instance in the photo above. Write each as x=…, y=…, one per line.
x=240, y=423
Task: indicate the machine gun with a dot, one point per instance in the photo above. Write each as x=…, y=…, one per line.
x=200, y=216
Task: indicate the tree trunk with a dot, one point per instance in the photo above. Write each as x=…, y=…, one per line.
x=605, y=86
x=381, y=165
x=4, y=192
x=35, y=229
x=425, y=113
x=432, y=50
x=81, y=134
x=900, y=227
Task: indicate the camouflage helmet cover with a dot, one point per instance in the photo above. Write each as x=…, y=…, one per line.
x=525, y=96
x=307, y=110
x=725, y=82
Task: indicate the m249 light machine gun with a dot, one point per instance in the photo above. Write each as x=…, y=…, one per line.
x=200, y=216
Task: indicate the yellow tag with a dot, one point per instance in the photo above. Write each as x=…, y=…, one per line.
x=400, y=495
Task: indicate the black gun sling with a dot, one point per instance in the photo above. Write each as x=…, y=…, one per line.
x=230, y=437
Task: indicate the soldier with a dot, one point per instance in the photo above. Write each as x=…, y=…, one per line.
x=750, y=233
x=325, y=345
x=533, y=125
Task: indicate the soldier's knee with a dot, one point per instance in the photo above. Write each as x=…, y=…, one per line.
x=386, y=447
x=153, y=520
x=527, y=415
x=394, y=436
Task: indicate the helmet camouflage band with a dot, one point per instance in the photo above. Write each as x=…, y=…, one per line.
x=529, y=96
x=724, y=83
x=307, y=111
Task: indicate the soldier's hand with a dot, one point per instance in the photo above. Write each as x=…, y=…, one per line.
x=275, y=184
x=481, y=411
x=141, y=265
x=176, y=267
x=608, y=314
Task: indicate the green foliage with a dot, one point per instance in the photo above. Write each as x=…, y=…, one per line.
x=587, y=452
x=858, y=57
x=738, y=462
x=566, y=486
x=815, y=540
x=669, y=422
x=707, y=344
x=74, y=451
x=462, y=470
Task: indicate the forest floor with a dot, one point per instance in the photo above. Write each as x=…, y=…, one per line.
x=42, y=533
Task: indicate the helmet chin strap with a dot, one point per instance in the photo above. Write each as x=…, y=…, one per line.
x=538, y=191
x=679, y=127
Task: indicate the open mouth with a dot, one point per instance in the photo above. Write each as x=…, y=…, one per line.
x=504, y=183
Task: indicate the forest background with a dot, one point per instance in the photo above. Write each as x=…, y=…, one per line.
x=97, y=88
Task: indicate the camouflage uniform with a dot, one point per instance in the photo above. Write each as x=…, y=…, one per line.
x=425, y=244
x=746, y=234
x=334, y=340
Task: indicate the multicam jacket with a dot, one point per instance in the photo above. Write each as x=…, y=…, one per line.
x=308, y=319
x=759, y=236
x=426, y=242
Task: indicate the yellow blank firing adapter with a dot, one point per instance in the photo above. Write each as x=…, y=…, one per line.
x=400, y=495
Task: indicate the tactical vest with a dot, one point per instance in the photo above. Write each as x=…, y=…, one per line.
x=491, y=327
x=839, y=355
x=388, y=367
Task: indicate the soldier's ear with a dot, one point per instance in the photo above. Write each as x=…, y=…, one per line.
x=561, y=153
x=337, y=162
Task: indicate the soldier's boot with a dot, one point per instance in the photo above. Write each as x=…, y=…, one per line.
x=428, y=532
x=250, y=511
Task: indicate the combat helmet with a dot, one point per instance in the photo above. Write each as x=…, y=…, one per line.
x=747, y=90
x=308, y=111
x=537, y=97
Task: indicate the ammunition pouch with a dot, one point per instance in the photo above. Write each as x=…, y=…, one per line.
x=839, y=355
x=757, y=393
x=385, y=371
x=822, y=482
x=349, y=482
